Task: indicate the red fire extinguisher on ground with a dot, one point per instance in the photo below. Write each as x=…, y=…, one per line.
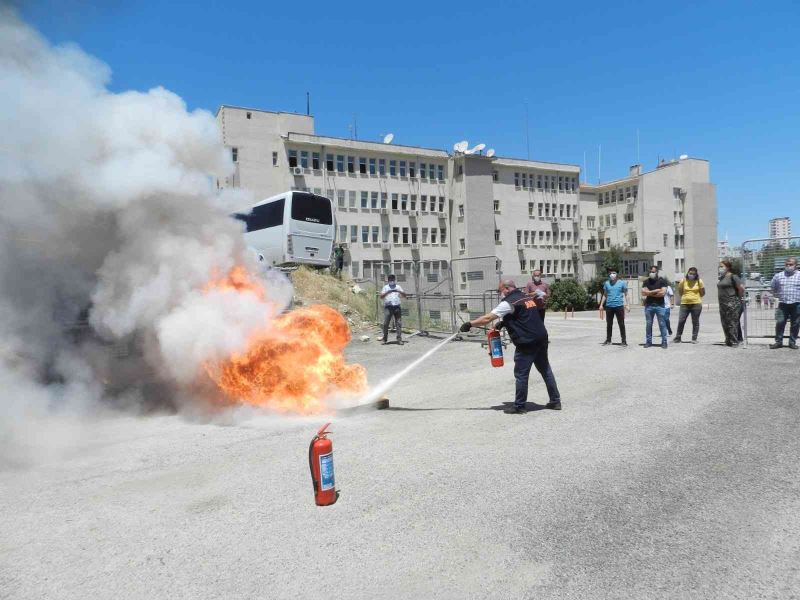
x=320, y=461
x=495, y=347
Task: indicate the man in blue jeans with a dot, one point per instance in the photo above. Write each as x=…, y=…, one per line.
x=653, y=290
x=520, y=315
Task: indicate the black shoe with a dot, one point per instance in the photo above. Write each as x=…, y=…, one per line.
x=553, y=405
x=607, y=343
x=775, y=346
x=676, y=339
x=382, y=340
x=694, y=341
x=624, y=344
x=792, y=346
x=514, y=410
x=647, y=344
x=664, y=346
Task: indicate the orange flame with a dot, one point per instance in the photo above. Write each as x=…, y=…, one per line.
x=291, y=365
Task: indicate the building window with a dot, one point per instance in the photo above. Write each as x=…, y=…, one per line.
x=403, y=201
x=352, y=197
x=422, y=170
x=530, y=209
x=413, y=235
x=539, y=181
x=351, y=164
x=460, y=211
x=292, y=158
x=424, y=235
x=635, y=191
x=497, y=206
x=384, y=199
x=560, y=183
x=592, y=245
x=402, y=168
x=372, y=166
x=405, y=235
x=340, y=163
x=304, y=159
x=412, y=169
x=441, y=204
x=382, y=167
x=353, y=234
x=440, y=172
x=314, y=160
x=413, y=202
x=274, y=159
x=329, y=162
x=666, y=239
x=433, y=235
x=364, y=234
x=393, y=168
x=460, y=170
x=431, y=171
x=495, y=176
x=496, y=236
x=516, y=179
x=396, y=235
x=443, y=235
x=342, y=233
x=462, y=244
x=365, y=200
x=340, y=198
x=394, y=202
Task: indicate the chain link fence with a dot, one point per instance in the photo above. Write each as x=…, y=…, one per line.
x=761, y=259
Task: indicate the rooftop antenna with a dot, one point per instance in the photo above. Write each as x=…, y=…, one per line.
x=387, y=139
x=308, y=103
x=599, y=155
x=527, y=132
x=490, y=153
x=637, y=147
x=585, y=173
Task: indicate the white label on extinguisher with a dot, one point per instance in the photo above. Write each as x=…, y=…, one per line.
x=326, y=471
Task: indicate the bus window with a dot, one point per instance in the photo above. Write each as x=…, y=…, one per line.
x=264, y=216
x=310, y=208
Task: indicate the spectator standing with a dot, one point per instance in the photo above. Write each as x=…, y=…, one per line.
x=669, y=296
x=391, y=294
x=615, y=302
x=729, y=291
x=338, y=257
x=786, y=287
x=692, y=289
x=539, y=289
x=653, y=291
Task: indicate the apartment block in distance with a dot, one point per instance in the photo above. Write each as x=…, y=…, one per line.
x=780, y=227
x=666, y=217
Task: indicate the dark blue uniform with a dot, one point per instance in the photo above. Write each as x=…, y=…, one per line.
x=526, y=330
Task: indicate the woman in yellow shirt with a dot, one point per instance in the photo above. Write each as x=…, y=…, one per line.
x=691, y=290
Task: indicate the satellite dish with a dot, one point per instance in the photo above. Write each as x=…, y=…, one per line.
x=490, y=152
x=684, y=156
x=477, y=148
x=387, y=139
x=471, y=151
x=461, y=146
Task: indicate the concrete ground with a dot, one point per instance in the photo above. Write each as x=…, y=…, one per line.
x=669, y=474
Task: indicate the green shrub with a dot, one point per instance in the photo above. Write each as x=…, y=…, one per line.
x=567, y=294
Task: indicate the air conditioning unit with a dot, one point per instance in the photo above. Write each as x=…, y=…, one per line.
x=297, y=171
x=386, y=245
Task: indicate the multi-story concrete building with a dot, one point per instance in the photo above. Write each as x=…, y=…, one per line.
x=667, y=217
x=479, y=215
x=780, y=227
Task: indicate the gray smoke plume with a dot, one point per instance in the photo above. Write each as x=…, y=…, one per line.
x=109, y=230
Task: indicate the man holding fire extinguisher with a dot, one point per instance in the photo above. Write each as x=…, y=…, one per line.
x=520, y=315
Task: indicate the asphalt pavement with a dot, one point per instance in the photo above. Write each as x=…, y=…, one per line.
x=669, y=474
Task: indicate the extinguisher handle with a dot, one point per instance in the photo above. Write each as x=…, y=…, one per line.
x=322, y=432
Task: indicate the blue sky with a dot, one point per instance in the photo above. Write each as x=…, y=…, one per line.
x=716, y=80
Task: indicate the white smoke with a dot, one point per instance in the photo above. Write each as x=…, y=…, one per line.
x=106, y=204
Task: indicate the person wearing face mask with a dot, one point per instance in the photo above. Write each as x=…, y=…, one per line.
x=730, y=291
x=520, y=315
x=691, y=289
x=653, y=290
x=615, y=303
x=391, y=294
x=786, y=287
x=540, y=291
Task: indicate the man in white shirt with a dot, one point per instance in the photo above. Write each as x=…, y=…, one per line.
x=391, y=294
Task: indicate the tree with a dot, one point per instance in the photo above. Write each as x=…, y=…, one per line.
x=612, y=260
x=566, y=294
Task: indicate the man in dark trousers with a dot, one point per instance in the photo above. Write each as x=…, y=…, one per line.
x=391, y=294
x=520, y=315
x=338, y=256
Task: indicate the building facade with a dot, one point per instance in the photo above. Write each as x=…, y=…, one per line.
x=666, y=217
x=780, y=227
x=481, y=216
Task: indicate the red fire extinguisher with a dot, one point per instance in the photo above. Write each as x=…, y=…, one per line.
x=495, y=347
x=320, y=461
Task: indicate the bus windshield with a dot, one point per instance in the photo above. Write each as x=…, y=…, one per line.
x=311, y=209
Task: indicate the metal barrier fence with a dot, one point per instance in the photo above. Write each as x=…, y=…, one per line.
x=761, y=259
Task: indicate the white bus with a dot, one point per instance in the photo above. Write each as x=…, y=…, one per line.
x=293, y=228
